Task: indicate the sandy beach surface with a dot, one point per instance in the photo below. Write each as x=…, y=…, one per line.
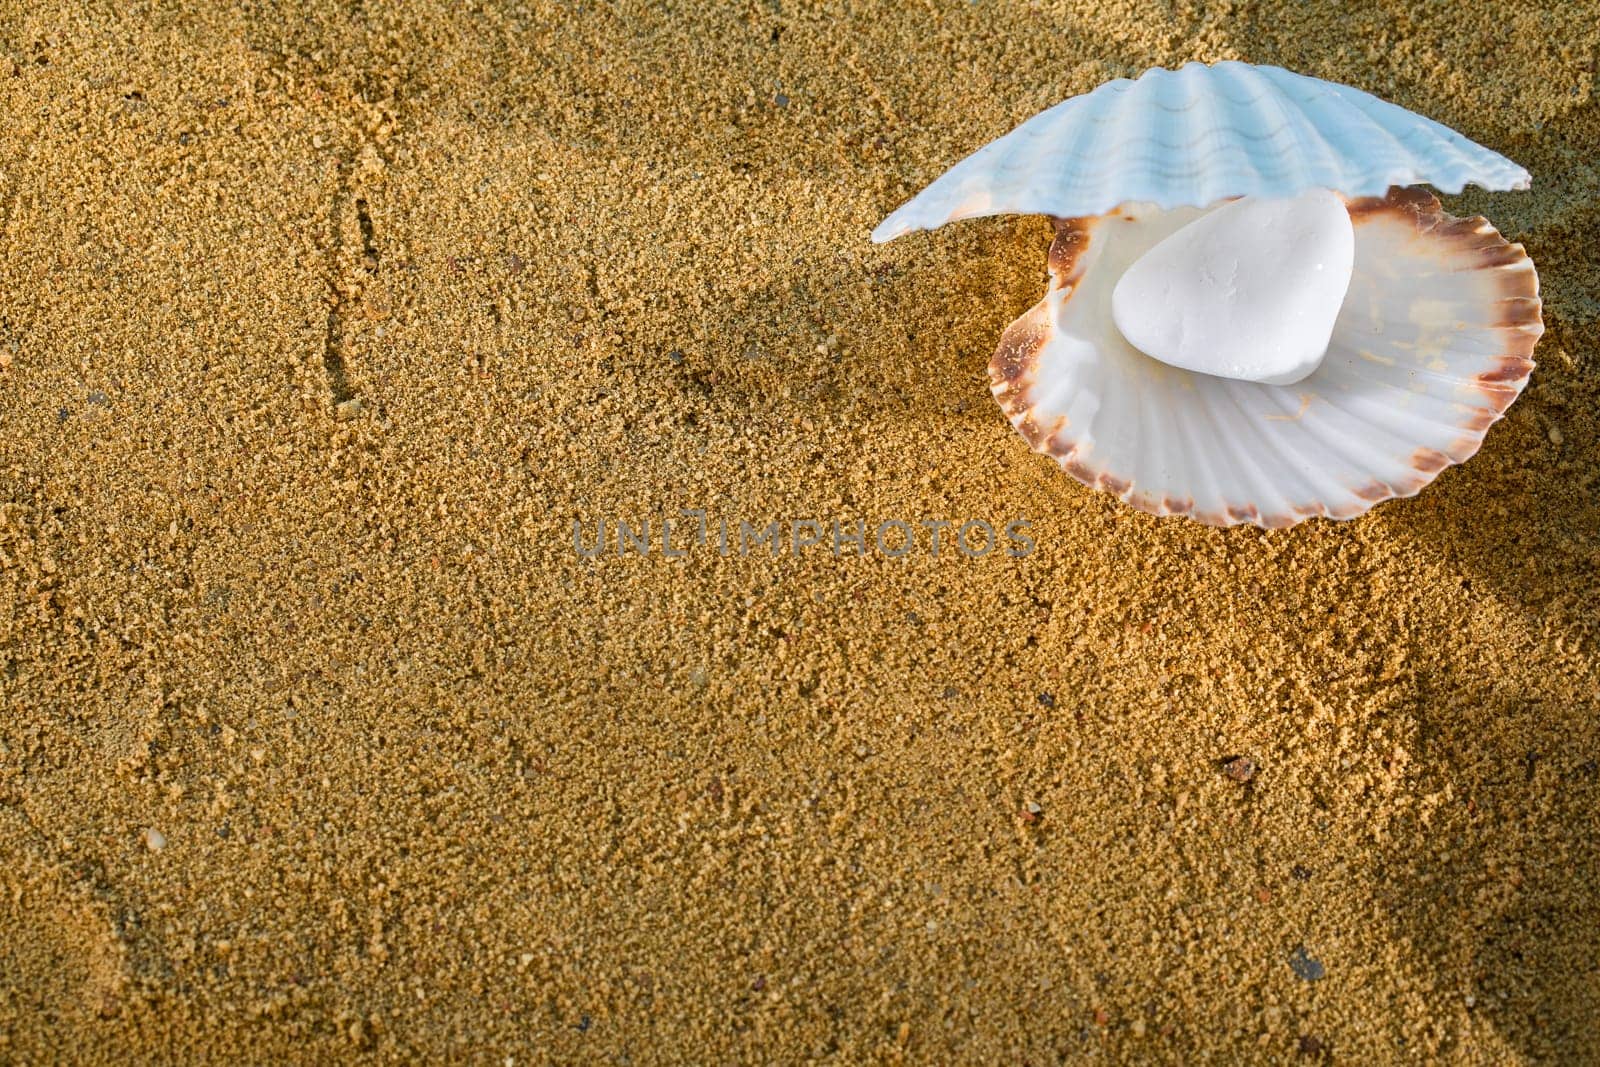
x=321, y=325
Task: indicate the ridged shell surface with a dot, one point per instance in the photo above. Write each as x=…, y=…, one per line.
x=1194, y=136
x=1433, y=342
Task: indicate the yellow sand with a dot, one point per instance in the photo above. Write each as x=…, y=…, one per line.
x=319, y=327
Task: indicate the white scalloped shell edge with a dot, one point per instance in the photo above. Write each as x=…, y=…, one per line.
x=1434, y=341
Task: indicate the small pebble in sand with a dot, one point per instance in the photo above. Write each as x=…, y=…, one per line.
x=1239, y=768
x=154, y=839
x=1556, y=436
x=1304, y=966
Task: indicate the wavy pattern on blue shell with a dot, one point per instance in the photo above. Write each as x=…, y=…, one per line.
x=1191, y=137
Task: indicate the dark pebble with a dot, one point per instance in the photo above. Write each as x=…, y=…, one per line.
x=1304, y=966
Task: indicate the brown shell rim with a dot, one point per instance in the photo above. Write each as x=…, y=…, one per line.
x=1010, y=369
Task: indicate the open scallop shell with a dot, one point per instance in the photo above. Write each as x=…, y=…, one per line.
x=1191, y=137
x=1433, y=342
